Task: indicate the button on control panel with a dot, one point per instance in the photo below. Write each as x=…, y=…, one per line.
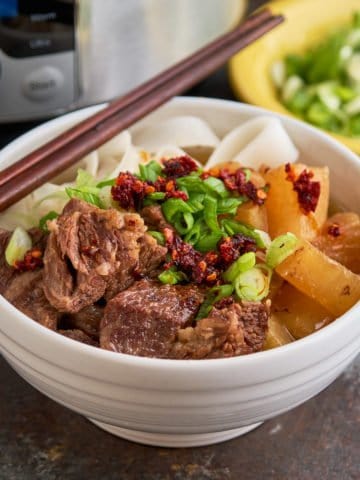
x=43, y=84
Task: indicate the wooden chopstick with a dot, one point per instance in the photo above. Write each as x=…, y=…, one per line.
x=122, y=102
x=65, y=150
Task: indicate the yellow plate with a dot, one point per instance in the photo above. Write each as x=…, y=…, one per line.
x=307, y=23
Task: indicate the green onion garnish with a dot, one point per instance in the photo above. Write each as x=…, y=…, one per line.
x=253, y=285
x=43, y=220
x=172, y=207
x=208, y=242
x=159, y=237
x=172, y=276
x=20, y=242
x=150, y=172
x=106, y=183
x=210, y=214
x=84, y=194
x=280, y=248
x=215, y=186
x=214, y=295
x=241, y=265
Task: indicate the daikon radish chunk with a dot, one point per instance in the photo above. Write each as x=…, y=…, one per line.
x=300, y=314
x=283, y=208
x=327, y=282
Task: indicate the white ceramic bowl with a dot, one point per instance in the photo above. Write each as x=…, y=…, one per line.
x=187, y=402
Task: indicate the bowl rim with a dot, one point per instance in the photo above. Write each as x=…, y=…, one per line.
x=277, y=353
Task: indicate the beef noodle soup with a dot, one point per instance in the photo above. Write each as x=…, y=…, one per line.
x=144, y=249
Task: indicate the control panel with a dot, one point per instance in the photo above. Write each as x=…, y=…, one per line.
x=38, y=72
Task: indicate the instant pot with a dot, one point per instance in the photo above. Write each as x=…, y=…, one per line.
x=59, y=55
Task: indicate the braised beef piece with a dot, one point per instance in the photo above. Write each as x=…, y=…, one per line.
x=7, y=273
x=153, y=217
x=79, y=336
x=143, y=320
x=26, y=293
x=87, y=320
x=234, y=330
x=92, y=253
x=151, y=256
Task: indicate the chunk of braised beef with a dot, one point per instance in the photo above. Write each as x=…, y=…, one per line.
x=154, y=218
x=75, y=277
x=26, y=293
x=151, y=256
x=143, y=320
x=87, y=320
x=79, y=336
x=228, y=331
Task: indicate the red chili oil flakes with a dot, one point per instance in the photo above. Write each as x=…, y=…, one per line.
x=31, y=261
x=231, y=248
x=224, y=303
x=205, y=268
x=169, y=187
x=308, y=191
x=179, y=166
x=334, y=230
x=236, y=181
x=130, y=191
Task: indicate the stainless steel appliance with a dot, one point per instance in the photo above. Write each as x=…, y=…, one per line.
x=58, y=55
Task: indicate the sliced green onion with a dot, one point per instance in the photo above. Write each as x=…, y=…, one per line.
x=156, y=196
x=159, y=237
x=242, y=264
x=208, y=242
x=253, y=285
x=20, y=242
x=43, y=220
x=216, y=187
x=172, y=276
x=280, y=248
x=185, y=223
x=193, y=236
x=191, y=183
x=214, y=295
x=196, y=202
x=291, y=86
x=173, y=206
x=150, y=171
x=263, y=239
x=106, y=183
x=231, y=227
x=229, y=205
x=82, y=194
x=210, y=213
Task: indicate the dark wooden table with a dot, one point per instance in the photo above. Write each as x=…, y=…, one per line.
x=40, y=440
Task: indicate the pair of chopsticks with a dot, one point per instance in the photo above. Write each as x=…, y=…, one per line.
x=63, y=151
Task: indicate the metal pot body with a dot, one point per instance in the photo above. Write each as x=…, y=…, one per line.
x=59, y=55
